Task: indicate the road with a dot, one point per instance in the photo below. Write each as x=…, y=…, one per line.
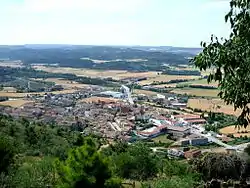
x=211, y=138
x=241, y=147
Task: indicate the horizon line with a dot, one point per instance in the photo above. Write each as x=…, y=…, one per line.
x=118, y=45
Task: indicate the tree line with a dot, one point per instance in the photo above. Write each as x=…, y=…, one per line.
x=38, y=155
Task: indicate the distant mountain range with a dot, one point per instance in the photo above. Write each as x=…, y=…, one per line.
x=146, y=48
x=136, y=58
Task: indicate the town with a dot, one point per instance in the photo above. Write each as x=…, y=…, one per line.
x=122, y=115
x=125, y=94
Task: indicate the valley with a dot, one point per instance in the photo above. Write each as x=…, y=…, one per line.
x=169, y=107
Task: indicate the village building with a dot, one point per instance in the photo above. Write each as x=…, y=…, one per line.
x=194, y=140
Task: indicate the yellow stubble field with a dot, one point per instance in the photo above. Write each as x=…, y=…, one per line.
x=115, y=74
x=213, y=105
x=166, y=78
x=22, y=95
x=236, y=131
x=15, y=103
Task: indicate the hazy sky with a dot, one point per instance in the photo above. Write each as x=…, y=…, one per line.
x=112, y=22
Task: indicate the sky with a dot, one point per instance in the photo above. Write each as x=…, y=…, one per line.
x=181, y=23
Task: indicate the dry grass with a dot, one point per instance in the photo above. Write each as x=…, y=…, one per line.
x=137, y=74
x=193, y=82
x=9, y=89
x=80, y=72
x=21, y=95
x=214, y=105
x=13, y=95
x=165, y=78
x=236, y=131
x=197, y=92
x=14, y=103
x=115, y=74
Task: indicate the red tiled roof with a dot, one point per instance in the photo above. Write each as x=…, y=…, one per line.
x=187, y=116
x=162, y=127
x=177, y=128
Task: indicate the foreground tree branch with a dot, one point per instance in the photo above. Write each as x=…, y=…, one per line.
x=229, y=60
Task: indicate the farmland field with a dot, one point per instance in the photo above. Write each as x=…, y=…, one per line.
x=181, y=67
x=14, y=103
x=21, y=95
x=115, y=74
x=146, y=92
x=197, y=92
x=236, y=131
x=202, y=82
x=166, y=78
x=67, y=84
x=80, y=71
x=213, y=105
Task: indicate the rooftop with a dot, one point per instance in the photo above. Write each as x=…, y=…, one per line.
x=110, y=92
x=193, y=116
x=177, y=128
x=100, y=99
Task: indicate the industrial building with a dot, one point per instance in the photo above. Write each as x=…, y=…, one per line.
x=194, y=140
x=113, y=94
x=178, y=131
x=153, y=131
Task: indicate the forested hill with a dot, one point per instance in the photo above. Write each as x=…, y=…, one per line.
x=98, y=57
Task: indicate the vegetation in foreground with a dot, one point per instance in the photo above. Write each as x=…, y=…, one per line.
x=38, y=155
x=229, y=58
